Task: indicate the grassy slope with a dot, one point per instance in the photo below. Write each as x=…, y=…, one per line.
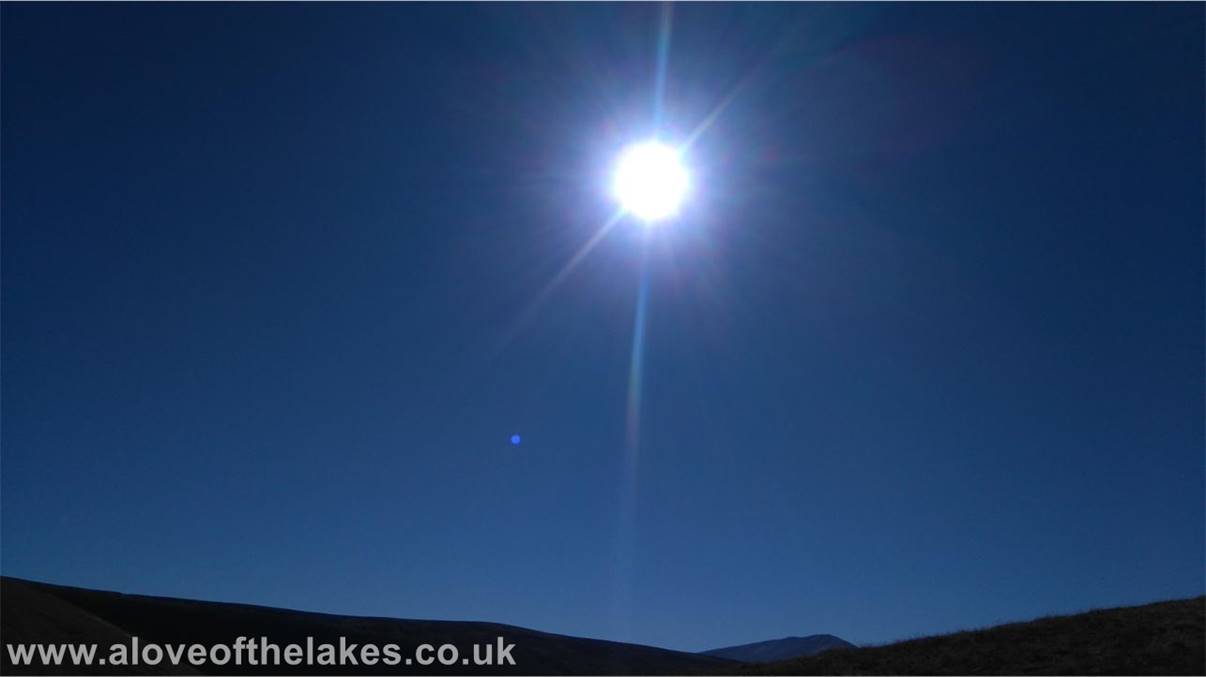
x=1166, y=638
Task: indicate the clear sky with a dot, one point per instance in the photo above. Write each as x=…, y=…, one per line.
x=923, y=351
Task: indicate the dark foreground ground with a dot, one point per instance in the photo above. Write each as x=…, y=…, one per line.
x=1167, y=638
x=37, y=612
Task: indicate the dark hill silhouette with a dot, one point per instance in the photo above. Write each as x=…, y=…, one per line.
x=39, y=612
x=1165, y=638
x=780, y=649
x=31, y=614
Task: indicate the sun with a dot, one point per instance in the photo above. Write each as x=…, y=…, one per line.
x=650, y=181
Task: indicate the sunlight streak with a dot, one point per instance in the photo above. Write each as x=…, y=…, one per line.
x=711, y=117
x=663, y=57
x=625, y=545
x=526, y=315
x=633, y=410
x=632, y=445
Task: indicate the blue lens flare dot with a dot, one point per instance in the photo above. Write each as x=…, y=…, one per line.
x=515, y=440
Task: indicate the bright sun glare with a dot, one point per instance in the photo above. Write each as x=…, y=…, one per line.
x=650, y=181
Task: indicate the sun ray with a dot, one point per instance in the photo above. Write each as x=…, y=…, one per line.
x=547, y=290
x=663, y=58
x=626, y=535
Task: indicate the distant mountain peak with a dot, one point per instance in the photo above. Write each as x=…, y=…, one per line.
x=780, y=649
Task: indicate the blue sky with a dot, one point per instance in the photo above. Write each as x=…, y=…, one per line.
x=922, y=352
